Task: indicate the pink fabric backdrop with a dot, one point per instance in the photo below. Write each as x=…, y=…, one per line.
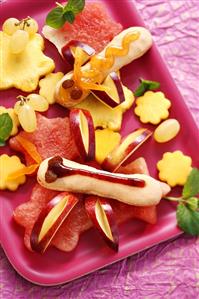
x=169, y=270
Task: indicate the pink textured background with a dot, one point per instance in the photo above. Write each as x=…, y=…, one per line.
x=169, y=270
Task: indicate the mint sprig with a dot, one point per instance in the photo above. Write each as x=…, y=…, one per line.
x=188, y=220
x=61, y=14
x=191, y=188
x=188, y=205
x=5, y=127
x=144, y=86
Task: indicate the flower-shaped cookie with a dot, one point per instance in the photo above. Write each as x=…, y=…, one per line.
x=174, y=168
x=152, y=107
x=8, y=165
x=23, y=70
x=14, y=117
x=47, y=86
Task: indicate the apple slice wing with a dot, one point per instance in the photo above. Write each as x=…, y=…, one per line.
x=50, y=219
x=125, y=149
x=83, y=131
x=68, y=52
x=102, y=215
x=113, y=95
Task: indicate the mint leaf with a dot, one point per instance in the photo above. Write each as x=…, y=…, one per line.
x=188, y=220
x=193, y=203
x=140, y=90
x=76, y=6
x=144, y=86
x=69, y=16
x=191, y=187
x=2, y=143
x=5, y=126
x=55, y=18
x=152, y=85
x=58, y=16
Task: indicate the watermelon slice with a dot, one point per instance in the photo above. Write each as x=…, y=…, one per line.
x=93, y=27
x=68, y=235
x=52, y=137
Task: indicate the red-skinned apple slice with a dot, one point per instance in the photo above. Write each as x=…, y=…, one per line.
x=83, y=131
x=125, y=149
x=69, y=49
x=114, y=95
x=50, y=219
x=102, y=215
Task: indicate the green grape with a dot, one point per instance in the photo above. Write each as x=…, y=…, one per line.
x=27, y=118
x=10, y=26
x=17, y=107
x=30, y=26
x=37, y=102
x=18, y=41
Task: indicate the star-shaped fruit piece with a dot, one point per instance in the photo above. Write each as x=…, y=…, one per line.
x=104, y=116
x=174, y=168
x=8, y=165
x=23, y=70
x=152, y=107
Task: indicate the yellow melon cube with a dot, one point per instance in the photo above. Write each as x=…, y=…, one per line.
x=106, y=140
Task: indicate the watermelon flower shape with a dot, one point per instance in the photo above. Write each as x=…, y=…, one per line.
x=152, y=107
x=174, y=168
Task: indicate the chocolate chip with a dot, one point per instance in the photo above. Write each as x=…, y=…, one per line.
x=76, y=93
x=67, y=83
x=50, y=176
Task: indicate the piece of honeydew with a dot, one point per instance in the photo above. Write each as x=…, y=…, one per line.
x=149, y=194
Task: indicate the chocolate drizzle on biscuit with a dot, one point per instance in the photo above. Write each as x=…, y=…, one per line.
x=56, y=169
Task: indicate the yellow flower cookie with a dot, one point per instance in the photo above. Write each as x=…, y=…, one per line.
x=8, y=165
x=47, y=86
x=14, y=117
x=174, y=168
x=24, y=69
x=152, y=107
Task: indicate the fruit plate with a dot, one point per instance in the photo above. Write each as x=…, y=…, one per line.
x=56, y=267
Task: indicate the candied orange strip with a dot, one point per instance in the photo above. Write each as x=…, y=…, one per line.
x=77, y=65
x=30, y=148
x=100, y=64
x=23, y=171
x=77, y=73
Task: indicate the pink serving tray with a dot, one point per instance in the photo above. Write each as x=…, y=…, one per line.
x=56, y=267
